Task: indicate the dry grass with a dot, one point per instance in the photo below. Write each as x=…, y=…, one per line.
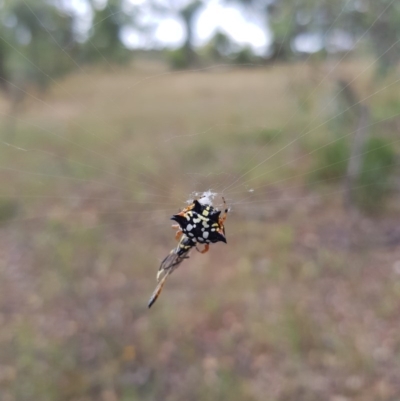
x=300, y=305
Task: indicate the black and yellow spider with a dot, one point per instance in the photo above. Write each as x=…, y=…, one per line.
x=197, y=223
x=201, y=223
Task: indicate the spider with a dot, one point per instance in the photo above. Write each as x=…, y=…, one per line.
x=197, y=223
x=201, y=223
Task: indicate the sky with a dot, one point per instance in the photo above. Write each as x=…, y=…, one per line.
x=243, y=26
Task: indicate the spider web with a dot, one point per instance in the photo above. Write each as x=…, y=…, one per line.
x=238, y=189
x=241, y=190
x=91, y=187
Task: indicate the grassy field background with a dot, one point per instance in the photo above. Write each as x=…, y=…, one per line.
x=302, y=303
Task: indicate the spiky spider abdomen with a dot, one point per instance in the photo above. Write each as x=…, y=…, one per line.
x=201, y=223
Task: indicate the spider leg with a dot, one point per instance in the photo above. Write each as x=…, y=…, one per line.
x=178, y=234
x=158, y=290
x=224, y=216
x=186, y=209
x=205, y=250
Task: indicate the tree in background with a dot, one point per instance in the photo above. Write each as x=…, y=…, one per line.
x=219, y=46
x=383, y=32
x=330, y=26
x=187, y=14
x=104, y=41
x=186, y=11
x=36, y=43
x=39, y=42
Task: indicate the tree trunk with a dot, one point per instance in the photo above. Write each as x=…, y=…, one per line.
x=16, y=98
x=3, y=72
x=355, y=164
x=189, y=51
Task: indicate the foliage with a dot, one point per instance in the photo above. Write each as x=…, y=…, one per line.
x=40, y=27
x=334, y=26
x=219, y=46
x=376, y=175
x=244, y=56
x=177, y=59
x=39, y=41
x=332, y=161
x=8, y=209
x=186, y=11
x=104, y=44
x=36, y=43
x=373, y=185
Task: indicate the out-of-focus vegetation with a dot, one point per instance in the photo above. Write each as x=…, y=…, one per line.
x=373, y=185
x=301, y=304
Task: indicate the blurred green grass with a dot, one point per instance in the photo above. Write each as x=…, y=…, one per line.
x=286, y=311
